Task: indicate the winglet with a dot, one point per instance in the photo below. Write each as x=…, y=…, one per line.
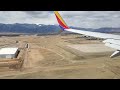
x=61, y=22
x=116, y=53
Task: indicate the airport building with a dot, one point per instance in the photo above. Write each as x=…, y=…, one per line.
x=8, y=52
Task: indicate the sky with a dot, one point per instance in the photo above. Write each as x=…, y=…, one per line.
x=84, y=19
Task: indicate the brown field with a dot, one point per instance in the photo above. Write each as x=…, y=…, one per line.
x=62, y=57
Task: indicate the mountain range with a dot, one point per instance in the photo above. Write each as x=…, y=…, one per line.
x=46, y=29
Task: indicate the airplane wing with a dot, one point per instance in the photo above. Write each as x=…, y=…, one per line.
x=111, y=40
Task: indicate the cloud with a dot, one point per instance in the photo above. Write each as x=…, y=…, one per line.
x=92, y=19
x=42, y=17
x=85, y=19
x=37, y=14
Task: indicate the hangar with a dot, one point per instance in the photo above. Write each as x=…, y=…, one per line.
x=8, y=52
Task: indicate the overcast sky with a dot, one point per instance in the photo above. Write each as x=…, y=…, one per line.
x=85, y=19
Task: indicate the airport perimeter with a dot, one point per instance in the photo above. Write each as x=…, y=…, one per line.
x=62, y=57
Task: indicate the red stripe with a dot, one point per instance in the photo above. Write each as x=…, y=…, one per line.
x=59, y=21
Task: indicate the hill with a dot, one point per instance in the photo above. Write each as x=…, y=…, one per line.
x=46, y=29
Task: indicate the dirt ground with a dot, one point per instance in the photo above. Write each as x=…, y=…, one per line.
x=49, y=57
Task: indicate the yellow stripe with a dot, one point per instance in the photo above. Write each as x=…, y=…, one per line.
x=56, y=12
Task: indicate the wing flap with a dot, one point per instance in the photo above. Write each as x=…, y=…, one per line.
x=112, y=41
x=113, y=45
